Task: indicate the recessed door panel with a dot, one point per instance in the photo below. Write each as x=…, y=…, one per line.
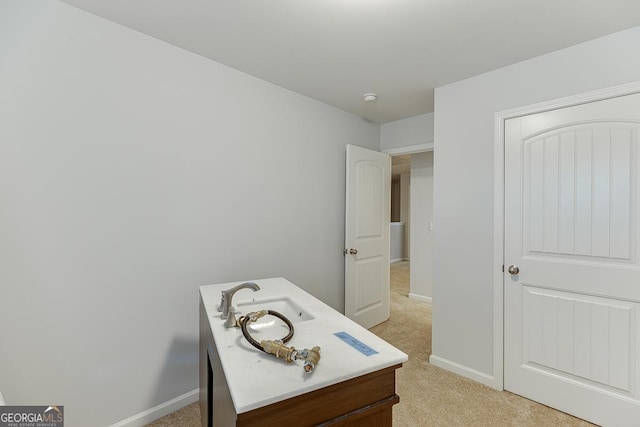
x=582, y=336
x=579, y=195
x=370, y=211
x=369, y=297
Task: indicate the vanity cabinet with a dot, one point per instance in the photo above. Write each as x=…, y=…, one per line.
x=328, y=397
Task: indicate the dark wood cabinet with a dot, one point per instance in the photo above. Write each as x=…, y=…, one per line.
x=362, y=401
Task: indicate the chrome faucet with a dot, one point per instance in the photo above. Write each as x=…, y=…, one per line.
x=225, y=303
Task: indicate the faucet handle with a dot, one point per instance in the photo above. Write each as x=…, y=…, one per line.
x=222, y=302
x=231, y=321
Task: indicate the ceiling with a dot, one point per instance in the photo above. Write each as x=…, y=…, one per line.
x=337, y=50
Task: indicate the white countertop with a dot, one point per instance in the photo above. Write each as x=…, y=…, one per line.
x=256, y=379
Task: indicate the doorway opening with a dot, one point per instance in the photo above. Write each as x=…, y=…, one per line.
x=411, y=231
x=411, y=227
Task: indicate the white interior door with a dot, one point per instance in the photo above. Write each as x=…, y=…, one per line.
x=368, y=208
x=572, y=318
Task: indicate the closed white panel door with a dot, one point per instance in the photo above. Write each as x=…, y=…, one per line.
x=572, y=274
x=367, y=236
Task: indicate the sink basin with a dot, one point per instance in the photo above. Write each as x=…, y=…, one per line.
x=283, y=305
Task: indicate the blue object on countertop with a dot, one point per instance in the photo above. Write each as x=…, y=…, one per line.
x=355, y=343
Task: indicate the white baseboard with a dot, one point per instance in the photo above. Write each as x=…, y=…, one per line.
x=464, y=371
x=421, y=298
x=145, y=417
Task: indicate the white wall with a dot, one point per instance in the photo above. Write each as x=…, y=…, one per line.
x=131, y=172
x=421, y=281
x=405, y=203
x=463, y=192
x=400, y=135
x=396, y=241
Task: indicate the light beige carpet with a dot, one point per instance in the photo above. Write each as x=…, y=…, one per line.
x=430, y=396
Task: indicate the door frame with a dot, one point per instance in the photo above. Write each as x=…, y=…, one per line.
x=498, y=203
x=399, y=151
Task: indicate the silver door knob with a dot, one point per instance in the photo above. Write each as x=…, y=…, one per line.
x=513, y=269
x=353, y=251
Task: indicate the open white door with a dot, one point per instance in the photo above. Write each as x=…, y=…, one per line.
x=572, y=248
x=367, y=236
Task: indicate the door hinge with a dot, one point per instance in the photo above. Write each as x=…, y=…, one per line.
x=503, y=268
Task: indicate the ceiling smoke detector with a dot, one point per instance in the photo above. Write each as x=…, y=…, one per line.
x=369, y=97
